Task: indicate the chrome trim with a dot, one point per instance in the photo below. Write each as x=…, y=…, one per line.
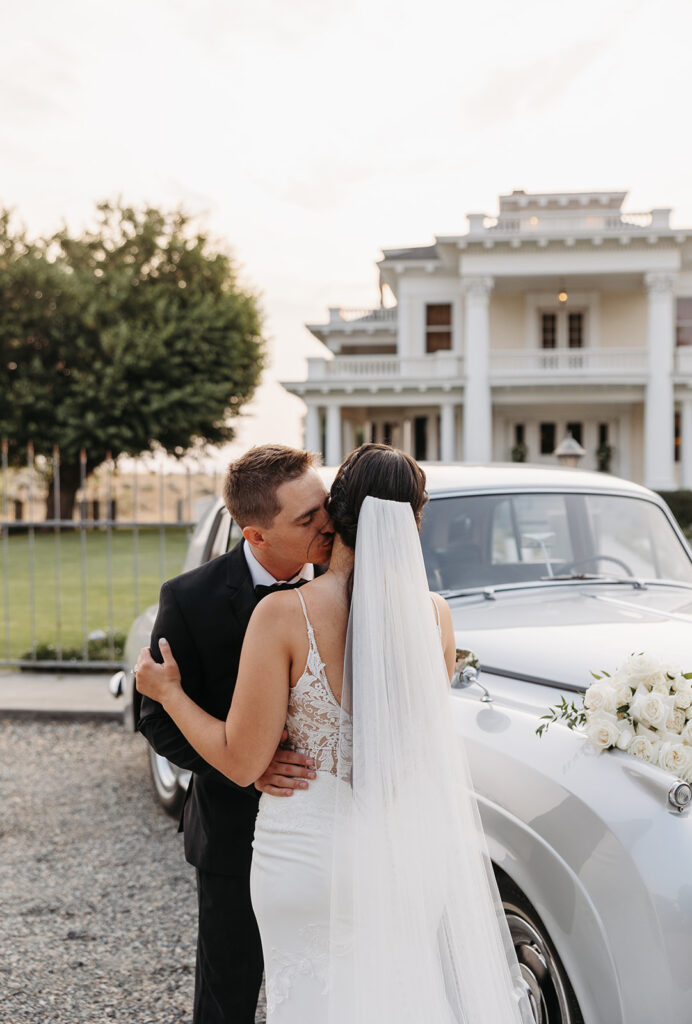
x=540, y=973
x=680, y=795
x=524, y=677
x=543, y=584
x=116, y=683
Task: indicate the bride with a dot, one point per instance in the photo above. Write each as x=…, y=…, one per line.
x=373, y=889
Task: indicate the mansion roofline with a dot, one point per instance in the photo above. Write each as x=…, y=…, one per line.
x=540, y=219
x=561, y=312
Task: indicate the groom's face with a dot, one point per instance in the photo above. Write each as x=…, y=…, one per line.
x=301, y=531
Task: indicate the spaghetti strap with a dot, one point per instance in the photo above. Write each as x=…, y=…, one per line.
x=437, y=612
x=305, y=611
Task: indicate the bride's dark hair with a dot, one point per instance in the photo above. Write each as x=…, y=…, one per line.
x=381, y=472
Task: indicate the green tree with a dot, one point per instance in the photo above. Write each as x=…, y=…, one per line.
x=132, y=335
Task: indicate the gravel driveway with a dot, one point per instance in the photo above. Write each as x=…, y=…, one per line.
x=97, y=903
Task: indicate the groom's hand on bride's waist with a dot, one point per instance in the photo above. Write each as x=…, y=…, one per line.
x=287, y=771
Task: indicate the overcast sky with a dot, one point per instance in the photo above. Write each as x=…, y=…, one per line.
x=309, y=134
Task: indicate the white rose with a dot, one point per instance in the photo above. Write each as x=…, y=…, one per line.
x=626, y=735
x=680, y=684
x=650, y=708
x=671, y=670
x=602, y=730
x=646, y=669
x=683, y=698
x=686, y=734
x=643, y=748
x=675, y=722
x=624, y=693
x=600, y=696
x=674, y=757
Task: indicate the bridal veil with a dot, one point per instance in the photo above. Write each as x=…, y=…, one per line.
x=417, y=930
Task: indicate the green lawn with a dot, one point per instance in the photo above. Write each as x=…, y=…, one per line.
x=151, y=567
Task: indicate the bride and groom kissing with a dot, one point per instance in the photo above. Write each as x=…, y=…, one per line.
x=368, y=897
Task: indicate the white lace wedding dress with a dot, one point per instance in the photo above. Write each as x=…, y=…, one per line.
x=292, y=858
x=373, y=889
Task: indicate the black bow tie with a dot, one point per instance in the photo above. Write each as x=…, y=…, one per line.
x=261, y=590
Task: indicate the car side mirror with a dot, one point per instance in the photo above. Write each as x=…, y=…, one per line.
x=466, y=669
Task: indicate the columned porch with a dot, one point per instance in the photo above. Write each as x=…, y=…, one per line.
x=430, y=432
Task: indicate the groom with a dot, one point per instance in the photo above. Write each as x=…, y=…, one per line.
x=278, y=499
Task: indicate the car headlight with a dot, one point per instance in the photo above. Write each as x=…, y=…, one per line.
x=680, y=795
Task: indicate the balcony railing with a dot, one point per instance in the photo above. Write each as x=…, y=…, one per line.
x=440, y=366
x=382, y=315
x=587, y=223
x=683, y=361
x=556, y=362
x=512, y=366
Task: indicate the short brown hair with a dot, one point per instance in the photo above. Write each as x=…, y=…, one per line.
x=249, y=488
x=380, y=471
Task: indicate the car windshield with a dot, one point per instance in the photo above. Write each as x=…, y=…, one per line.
x=490, y=540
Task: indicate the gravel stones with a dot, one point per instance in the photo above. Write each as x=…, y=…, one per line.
x=97, y=903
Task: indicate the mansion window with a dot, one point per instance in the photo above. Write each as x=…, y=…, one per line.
x=575, y=333
x=684, y=322
x=562, y=329
x=575, y=429
x=548, y=330
x=438, y=327
x=547, y=434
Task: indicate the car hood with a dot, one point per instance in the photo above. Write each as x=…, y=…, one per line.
x=564, y=632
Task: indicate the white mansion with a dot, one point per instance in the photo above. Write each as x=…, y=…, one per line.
x=562, y=314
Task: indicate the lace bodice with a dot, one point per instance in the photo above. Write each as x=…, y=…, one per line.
x=313, y=711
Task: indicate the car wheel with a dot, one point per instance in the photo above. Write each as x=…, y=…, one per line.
x=552, y=997
x=168, y=790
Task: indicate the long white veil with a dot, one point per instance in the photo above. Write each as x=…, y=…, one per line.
x=417, y=929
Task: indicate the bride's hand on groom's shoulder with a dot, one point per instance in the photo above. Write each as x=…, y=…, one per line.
x=288, y=770
x=155, y=680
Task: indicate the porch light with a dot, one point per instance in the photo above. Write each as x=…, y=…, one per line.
x=569, y=452
x=562, y=295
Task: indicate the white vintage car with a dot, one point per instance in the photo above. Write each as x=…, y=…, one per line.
x=552, y=574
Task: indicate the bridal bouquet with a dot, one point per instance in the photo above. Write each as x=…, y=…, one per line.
x=644, y=708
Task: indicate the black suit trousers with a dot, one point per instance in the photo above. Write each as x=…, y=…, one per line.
x=229, y=953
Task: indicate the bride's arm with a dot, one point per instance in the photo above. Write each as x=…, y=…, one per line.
x=243, y=745
x=449, y=644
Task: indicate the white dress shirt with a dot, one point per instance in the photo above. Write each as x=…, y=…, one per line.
x=261, y=576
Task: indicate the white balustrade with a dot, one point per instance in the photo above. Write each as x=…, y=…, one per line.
x=586, y=224
x=514, y=364
x=683, y=360
x=441, y=366
x=543, y=362
x=382, y=314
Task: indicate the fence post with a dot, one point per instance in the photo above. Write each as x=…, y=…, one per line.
x=32, y=551
x=109, y=553
x=56, y=532
x=5, y=547
x=82, y=551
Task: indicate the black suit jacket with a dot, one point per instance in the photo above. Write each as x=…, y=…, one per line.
x=204, y=614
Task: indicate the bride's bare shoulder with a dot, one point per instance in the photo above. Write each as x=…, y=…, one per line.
x=440, y=604
x=277, y=609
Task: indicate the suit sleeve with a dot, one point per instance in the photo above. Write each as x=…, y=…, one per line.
x=160, y=730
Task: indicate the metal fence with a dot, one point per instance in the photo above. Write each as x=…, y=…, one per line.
x=71, y=586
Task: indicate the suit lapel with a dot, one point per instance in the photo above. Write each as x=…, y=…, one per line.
x=240, y=587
